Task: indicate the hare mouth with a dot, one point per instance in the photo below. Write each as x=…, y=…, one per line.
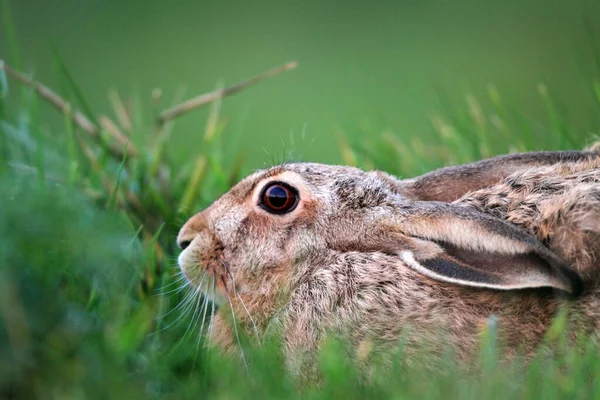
x=205, y=280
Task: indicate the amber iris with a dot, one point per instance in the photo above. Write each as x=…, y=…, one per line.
x=279, y=198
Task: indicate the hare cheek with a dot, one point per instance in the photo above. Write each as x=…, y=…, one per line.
x=188, y=264
x=199, y=259
x=230, y=221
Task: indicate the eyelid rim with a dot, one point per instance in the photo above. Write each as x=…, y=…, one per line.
x=287, y=186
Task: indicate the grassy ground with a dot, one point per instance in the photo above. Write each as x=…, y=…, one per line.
x=88, y=299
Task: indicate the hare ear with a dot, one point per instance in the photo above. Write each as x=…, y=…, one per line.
x=463, y=246
x=451, y=183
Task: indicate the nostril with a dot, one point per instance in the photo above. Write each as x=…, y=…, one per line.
x=183, y=244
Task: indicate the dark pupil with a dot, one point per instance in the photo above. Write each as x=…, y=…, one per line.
x=277, y=196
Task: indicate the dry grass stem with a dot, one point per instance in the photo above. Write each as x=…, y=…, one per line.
x=117, y=147
x=64, y=107
x=109, y=126
x=120, y=110
x=207, y=98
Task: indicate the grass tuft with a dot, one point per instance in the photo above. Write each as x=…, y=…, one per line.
x=90, y=304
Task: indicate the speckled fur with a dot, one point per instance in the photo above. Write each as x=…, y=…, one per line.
x=560, y=204
x=327, y=267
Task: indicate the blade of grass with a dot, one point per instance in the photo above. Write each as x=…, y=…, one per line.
x=10, y=34
x=162, y=134
x=75, y=89
x=193, y=187
x=18, y=137
x=479, y=124
x=114, y=132
x=346, y=151
x=160, y=200
x=596, y=88
x=71, y=147
x=31, y=123
x=217, y=171
x=61, y=105
x=592, y=41
x=120, y=111
x=34, y=171
x=210, y=130
x=135, y=110
x=3, y=92
x=236, y=168
x=155, y=255
x=113, y=198
x=136, y=235
x=458, y=121
x=557, y=119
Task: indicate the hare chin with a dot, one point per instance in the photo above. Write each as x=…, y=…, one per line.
x=201, y=280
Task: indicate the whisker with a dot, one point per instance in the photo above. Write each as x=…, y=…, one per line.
x=178, y=272
x=235, y=329
x=184, y=303
x=188, y=301
x=197, y=346
x=212, y=313
x=179, y=275
x=204, y=314
x=177, y=289
x=180, y=278
x=186, y=308
x=190, y=323
x=241, y=300
x=194, y=319
x=210, y=322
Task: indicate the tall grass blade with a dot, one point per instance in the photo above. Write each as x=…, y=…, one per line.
x=596, y=88
x=155, y=255
x=113, y=198
x=120, y=110
x=30, y=122
x=593, y=42
x=4, y=149
x=76, y=90
x=10, y=34
x=235, y=172
x=3, y=91
x=345, y=149
x=71, y=147
x=557, y=119
x=193, y=187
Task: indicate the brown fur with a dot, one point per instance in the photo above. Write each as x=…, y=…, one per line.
x=560, y=204
x=450, y=183
x=332, y=265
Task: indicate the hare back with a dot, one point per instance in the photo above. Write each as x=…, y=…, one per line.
x=560, y=204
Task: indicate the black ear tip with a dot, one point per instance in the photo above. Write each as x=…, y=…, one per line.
x=570, y=278
x=576, y=283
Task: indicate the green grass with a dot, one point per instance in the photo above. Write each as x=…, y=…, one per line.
x=88, y=299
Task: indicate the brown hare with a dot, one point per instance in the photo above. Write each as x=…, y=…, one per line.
x=309, y=249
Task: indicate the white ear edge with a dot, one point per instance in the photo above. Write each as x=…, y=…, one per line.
x=468, y=235
x=409, y=258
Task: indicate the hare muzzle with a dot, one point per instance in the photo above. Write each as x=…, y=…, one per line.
x=191, y=229
x=201, y=259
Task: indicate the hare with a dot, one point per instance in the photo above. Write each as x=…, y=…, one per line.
x=309, y=249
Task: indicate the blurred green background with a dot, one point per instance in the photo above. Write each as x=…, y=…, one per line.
x=386, y=61
x=90, y=305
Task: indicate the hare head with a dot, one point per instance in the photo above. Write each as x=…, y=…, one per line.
x=257, y=242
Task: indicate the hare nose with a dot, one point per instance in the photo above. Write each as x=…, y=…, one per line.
x=190, y=229
x=183, y=244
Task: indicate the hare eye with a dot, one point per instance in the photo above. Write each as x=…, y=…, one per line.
x=278, y=198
